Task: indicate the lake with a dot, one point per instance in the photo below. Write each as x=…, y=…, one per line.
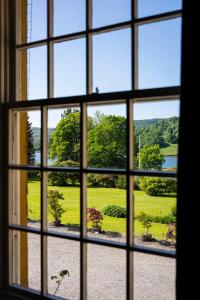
x=170, y=161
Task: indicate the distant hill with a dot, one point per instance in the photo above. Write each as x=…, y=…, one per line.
x=147, y=122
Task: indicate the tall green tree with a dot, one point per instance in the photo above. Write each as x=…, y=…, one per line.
x=150, y=158
x=65, y=139
x=107, y=142
x=30, y=140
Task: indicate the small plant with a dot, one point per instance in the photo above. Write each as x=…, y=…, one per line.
x=95, y=217
x=114, y=211
x=147, y=225
x=59, y=279
x=171, y=233
x=173, y=210
x=55, y=208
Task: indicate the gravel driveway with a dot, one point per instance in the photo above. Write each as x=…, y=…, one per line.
x=154, y=276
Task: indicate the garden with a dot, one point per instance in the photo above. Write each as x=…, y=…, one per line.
x=154, y=205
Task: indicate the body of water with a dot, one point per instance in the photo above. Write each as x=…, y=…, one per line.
x=170, y=161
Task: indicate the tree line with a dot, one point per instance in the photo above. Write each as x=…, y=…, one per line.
x=106, y=138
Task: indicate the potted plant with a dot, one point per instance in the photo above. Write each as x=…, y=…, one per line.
x=95, y=217
x=55, y=208
x=146, y=223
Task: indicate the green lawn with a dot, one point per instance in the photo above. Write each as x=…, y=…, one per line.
x=99, y=198
x=172, y=149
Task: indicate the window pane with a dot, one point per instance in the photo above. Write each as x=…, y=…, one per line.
x=158, y=56
x=106, y=206
x=155, y=200
x=24, y=258
x=64, y=202
x=25, y=137
x=154, y=7
x=69, y=16
x=32, y=73
x=32, y=25
x=112, y=61
x=70, y=68
x=107, y=136
x=64, y=136
x=106, y=12
x=24, y=198
x=154, y=277
x=156, y=128
x=63, y=258
x=106, y=273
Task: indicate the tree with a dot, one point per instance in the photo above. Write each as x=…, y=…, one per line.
x=30, y=140
x=65, y=139
x=107, y=142
x=150, y=158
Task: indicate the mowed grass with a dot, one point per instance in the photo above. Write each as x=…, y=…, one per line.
x=99, y=198
x=172, y=149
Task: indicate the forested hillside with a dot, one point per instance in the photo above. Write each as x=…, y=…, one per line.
x=163, y=132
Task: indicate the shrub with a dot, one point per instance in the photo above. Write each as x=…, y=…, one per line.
x=95, y=217
x=136, y=184
x=171, y=232
x=63, y=178
x=55, y=208
x=173, y=211
x=166, y=219
x=102, y=180
x=121, y=182
x=114, y=211
x=155, y=186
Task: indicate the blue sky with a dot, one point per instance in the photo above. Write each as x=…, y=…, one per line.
x=158, y=55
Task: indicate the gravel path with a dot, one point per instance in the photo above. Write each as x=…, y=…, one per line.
x=154, y=276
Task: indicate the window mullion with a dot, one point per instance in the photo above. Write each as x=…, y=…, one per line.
x=50, y=50
x=83, y=206
x=44, y=211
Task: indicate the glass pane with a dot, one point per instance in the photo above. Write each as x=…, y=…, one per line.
x=112, y=61
x=155, y=200
x=154, y=7
x=32, y=73
x=24, y=258
x=159, y=57
x=154, y=277
x=64, y=137
x=69, y=16
x=107, y=136
x=32, y=24
x=156, y=128
x=70, y=68
x=106, y=206
x=64, y=202
x=106, y=12
x=24, y=198
x=106, y=273
x=25, y=137
x=63, y=262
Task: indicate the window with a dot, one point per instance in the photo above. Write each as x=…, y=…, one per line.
x=95, y=101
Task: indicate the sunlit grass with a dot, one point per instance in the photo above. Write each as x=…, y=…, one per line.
x=99, y=198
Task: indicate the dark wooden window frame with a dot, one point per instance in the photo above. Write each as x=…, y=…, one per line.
x=184, y=209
